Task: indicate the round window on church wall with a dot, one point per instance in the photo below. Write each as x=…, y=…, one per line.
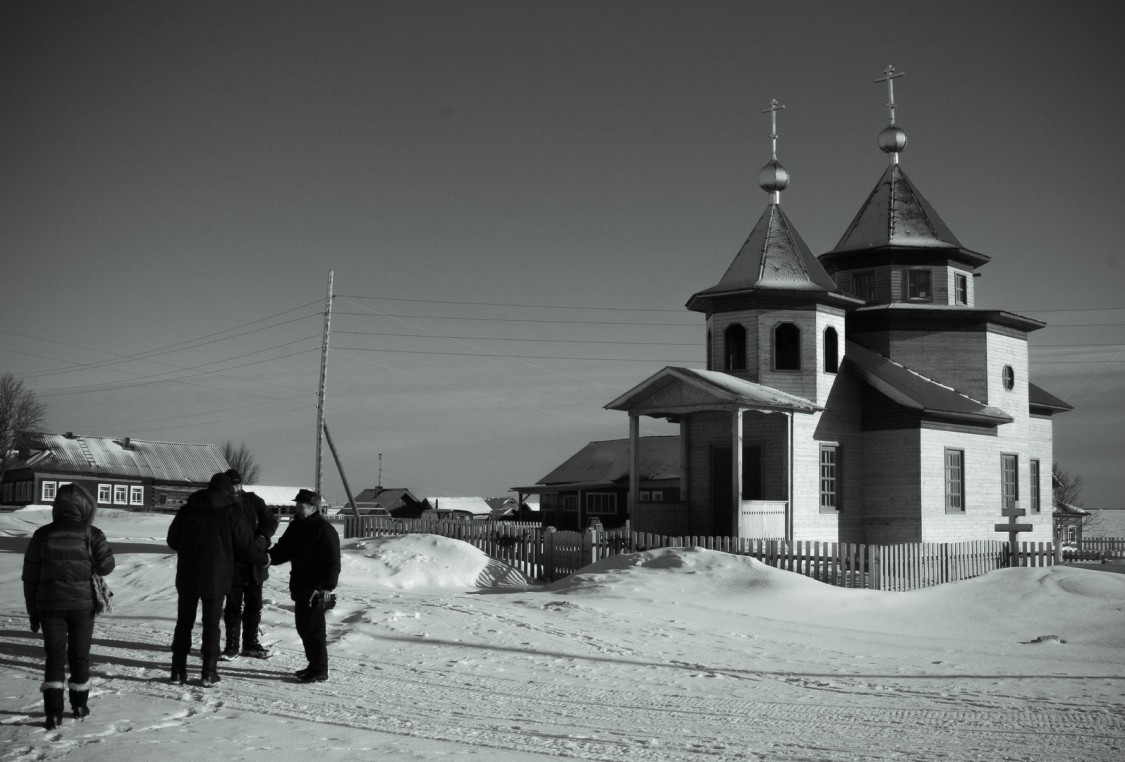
x=1009, y=377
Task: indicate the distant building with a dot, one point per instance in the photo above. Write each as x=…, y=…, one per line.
x=125, y=473
x=472, y=508
x=401, y=502
x=594, y=484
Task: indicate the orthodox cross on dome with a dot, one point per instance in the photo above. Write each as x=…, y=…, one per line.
x=773, y=178
x=892, y=139
x=772, y=110
x=889, y=76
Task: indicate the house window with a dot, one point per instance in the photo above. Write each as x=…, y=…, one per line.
x=954, y=481
x=601, y=503
x=644, y=496
x=105, y=493
x=1033, y=474
x=120, y=494
x=918, y=285
x=735, y=337
x=1009, y=375
x=136, y=496
x=787, y=347
x=829, y=478
x=48, y=491
x=961, y=288
x=658, y=496
x=569, y=502
x=863, y=286
x=1009, y=479
x=1071, y=533
x=831, y=351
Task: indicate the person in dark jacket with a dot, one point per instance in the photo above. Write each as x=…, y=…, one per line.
x=246, y=586
x=312, y=545
x=207, y=534
x=58, y=567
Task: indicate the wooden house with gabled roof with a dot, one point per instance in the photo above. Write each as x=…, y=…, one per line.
x=124, y=473
x=859, y=396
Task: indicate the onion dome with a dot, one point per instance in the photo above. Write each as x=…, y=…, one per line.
x=773, y=177
x=892, y=140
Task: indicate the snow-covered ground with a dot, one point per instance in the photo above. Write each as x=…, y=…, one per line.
x=437, y=653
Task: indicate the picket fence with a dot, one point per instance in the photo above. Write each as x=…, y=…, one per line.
x=547, y=554
x=1110, y=547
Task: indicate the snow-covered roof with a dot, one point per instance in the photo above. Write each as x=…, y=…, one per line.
x=174, y=462
x=274, y=495
x=474, y=505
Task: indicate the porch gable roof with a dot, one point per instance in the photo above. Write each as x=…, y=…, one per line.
x=674, y=391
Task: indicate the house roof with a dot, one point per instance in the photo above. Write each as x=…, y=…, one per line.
x=896, y=215
x=474, y=505
x=1066, y=509
x=1039, y=397
x=917, y=392
x=674, y=391
x=172, y=462
x=389, y=498
x=608, y=462
x=275, y=495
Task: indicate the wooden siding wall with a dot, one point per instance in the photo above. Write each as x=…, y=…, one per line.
x=891, y=487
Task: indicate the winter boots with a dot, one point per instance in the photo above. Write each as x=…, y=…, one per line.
x=231, y=651
x=179, y=669
x=79, y=694
x=53, y=703
x=256, y=650
x=210, y=672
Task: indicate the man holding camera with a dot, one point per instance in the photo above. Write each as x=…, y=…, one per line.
x=310, y=543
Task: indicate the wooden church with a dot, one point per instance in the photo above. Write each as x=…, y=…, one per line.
x=858, y=396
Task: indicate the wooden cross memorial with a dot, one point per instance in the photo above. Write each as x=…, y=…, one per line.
x=1012, y=528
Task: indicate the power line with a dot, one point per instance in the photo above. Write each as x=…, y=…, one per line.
x=509, y=356
x=508, y=304
x=695, y=326
x=538, y=341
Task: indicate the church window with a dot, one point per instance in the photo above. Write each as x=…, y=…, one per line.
x=961, y=287
x=735, y=337
x=1009, y=479
x=710, y=352
x=1033, y=473
x=831, y=351
x=787, y=347
x=918, y=286
x=863, y=286
x=1009, y=377
x=954, y=481
x=829, y=478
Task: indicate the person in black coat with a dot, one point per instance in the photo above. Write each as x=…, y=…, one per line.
x=208, y=534
x=312, y=545
x=58, y=567
x=244, y=599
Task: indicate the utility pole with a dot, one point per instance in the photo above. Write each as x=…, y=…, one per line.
x=323, y=375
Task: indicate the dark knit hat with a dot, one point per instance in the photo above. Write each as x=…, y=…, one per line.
x=220, y=482
x=307, y=496
x=235, y=477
